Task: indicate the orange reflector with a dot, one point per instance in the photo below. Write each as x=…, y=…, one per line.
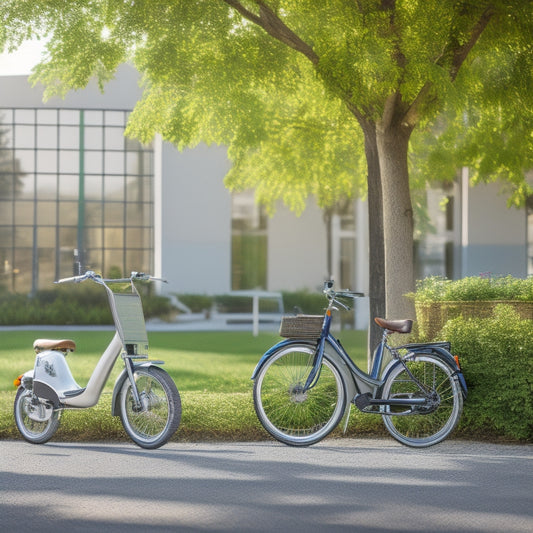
x=328, y=312
x=456, y=357
x=18, y=381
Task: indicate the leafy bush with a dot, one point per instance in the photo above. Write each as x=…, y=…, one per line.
x=439, y=289
x=70, y=305
x=496, y=358
x=197, y=303
x=311, y=303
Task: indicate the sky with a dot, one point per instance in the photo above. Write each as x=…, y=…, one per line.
x=22, y=61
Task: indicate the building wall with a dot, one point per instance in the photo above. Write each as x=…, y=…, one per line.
x=495, y=236
x=195, y=220
x=297, y=249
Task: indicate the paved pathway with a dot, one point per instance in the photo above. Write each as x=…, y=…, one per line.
x=367, y=485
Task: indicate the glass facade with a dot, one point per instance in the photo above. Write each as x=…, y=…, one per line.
x=248, y=243
x=72, y=187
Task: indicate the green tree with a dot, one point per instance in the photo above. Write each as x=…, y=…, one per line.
x=305, y=93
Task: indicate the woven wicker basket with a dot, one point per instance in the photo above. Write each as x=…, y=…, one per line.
x=301, y=326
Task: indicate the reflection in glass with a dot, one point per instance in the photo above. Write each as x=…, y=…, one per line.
x=47, y=161
x=69, y=161
x=69, y=137
x=46, y=213
x=47, y=137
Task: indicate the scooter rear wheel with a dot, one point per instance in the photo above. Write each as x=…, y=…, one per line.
x=37, y=422
x=155, y=422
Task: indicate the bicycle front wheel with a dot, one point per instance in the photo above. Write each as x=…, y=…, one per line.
x=429, y=424
x=290, y=414
x=159, y=415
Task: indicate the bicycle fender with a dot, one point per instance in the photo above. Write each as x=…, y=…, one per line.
x=441, y=353
x=275, y=348
x=115, y=409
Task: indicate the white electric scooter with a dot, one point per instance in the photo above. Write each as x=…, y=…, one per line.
x=145, y=397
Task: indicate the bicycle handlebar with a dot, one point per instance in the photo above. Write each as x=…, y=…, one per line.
x=332, y=295
x=90, y=274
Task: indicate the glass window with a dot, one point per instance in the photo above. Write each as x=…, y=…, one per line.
x=93, y=138
x=6, y=236
x=24, y=136
x=94, y=162
x=93, y=118
x=113, y=259
x=46, y=237
x=46, y=136
x=94, y=237
x=39, y=191
x=114, y=163
x=26, y=159
x=46, y=213
x=69, y=161
x=47, y=116
x=115, y=118
x=46, y=187
x=23, y=236
x=69, y=186
x=69, y=137
x=68, y=236
x=139, y=189
x=114, y=138
x=46, y=267
x=94, y=187
x=114, y=214
x=114, y=188
x=69, y=116
x=68, y=213
x=47, y=161
x=24, y=116
x=113, y=237
x=24, y=212
x=93, y=213
x=94, y=259
x=6, y=212
x=6, y=135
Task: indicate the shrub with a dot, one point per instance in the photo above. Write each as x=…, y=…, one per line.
x=439, y=289
x=311, y=303
x=77, y=305
x=496, y=358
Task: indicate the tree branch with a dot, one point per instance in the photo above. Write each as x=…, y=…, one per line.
x=461, y=53
x=275, y=27
x=459, y=57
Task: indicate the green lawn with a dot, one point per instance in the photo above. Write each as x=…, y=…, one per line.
x=211, y=370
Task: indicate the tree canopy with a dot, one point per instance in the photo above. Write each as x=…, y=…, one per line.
x=315, y=97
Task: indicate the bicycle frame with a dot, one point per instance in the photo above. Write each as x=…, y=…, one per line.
x=364, y=389
x=130, y=340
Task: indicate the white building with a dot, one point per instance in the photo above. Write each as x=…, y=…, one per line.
x=71, y=183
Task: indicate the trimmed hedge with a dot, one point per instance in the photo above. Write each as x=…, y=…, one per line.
x=496, y=358
x=77, y=305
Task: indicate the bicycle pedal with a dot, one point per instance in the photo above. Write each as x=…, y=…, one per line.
x=362, y=401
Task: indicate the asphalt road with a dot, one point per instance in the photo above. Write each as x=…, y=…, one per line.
x=337, y=485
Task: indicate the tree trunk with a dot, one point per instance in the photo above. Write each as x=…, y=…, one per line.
x=377, y=295
x=393, y=143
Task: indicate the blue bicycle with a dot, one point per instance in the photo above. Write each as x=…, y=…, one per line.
x=306, y=384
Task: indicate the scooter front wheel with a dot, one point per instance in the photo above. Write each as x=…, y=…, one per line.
x=36, y=421
x=151, y=424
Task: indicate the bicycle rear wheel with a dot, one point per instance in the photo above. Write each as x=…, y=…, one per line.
x=429, y=424
x=289, y=414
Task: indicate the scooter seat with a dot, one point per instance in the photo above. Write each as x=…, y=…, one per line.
x=62, y=345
